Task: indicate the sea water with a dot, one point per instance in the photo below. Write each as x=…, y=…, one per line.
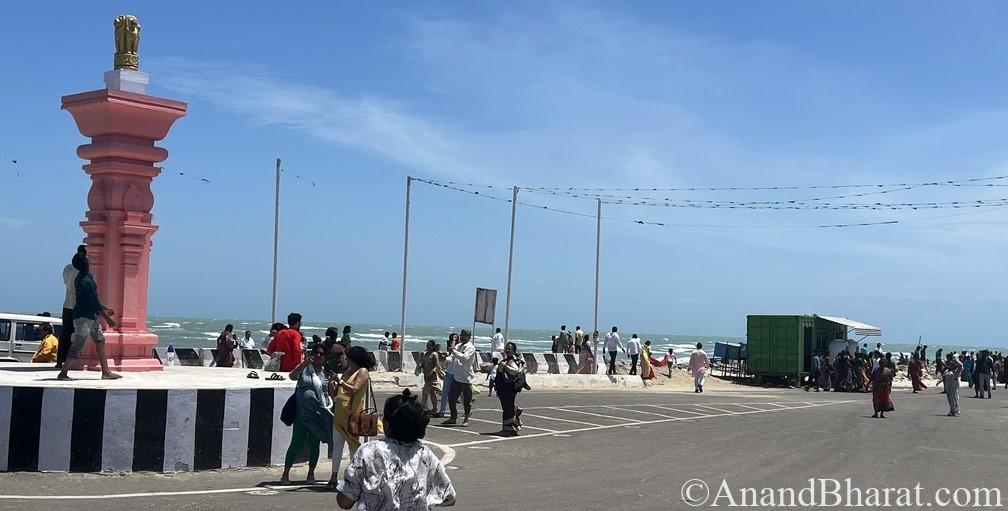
x=203, y=333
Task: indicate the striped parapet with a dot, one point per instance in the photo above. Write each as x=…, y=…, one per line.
x=126, y=430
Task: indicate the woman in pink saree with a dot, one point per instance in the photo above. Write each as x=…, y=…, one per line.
x=586, y=359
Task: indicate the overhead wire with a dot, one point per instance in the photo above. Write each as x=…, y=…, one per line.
x=947, y=182
x=478, y=193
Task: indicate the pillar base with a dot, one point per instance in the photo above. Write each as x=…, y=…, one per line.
x=130, y=351
x=116, y=364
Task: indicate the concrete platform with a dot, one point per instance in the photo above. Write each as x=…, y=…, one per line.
x=177, y=420
x=176, y=377
x=584, y=450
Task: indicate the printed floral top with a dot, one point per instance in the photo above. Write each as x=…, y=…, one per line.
x=386, y=474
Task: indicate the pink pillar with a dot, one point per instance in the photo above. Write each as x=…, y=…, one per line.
x=123, y=127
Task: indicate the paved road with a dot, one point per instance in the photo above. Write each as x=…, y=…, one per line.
x=623, y=450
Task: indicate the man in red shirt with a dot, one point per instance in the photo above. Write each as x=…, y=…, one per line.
x=288, y=342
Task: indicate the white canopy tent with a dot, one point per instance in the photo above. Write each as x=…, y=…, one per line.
x=860, y=328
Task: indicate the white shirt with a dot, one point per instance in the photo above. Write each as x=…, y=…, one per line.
x=69, y=275
x=612, y=341
x=247, y=344
x=386, y=474
x=497, y=343
x=633, y=346
x=462, y=362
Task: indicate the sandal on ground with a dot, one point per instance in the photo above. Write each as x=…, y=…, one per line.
x=253, y=375
x=275, y=377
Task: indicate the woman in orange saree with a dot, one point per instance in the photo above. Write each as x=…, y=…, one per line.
x=916, y=370
x=882, y=387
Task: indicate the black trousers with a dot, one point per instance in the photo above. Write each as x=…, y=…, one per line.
x=633, y=364
x=612, y=363
x=508, y=409
x=64, y=338
x=464, y=389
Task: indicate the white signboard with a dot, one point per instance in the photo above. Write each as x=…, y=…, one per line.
x=486, y=305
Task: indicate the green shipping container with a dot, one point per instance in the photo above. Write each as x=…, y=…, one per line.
x=783, y=346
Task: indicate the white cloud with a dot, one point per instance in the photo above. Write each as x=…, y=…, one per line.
x=12, y=222
x=579, y=97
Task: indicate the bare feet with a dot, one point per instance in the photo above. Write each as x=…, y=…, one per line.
x=110, y=376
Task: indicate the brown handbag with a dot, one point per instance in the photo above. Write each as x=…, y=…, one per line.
x=365, y=422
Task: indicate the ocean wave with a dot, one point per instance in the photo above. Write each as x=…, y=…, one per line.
x=167, y=325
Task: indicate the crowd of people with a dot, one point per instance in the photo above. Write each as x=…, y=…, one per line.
x=332, y=405
x=874, y=371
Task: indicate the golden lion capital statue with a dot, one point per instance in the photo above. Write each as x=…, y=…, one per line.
x=127, y=40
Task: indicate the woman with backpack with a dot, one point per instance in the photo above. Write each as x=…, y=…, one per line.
x=509, y=382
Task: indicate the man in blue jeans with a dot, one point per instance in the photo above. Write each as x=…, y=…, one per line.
x=462, y=358
x=449, y=379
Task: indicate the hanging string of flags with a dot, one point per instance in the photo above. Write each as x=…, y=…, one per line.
x=816, y=203
x=184, y=175
x=977, y=181
x=647, y=222
x=14, y=162
x=484, y=191
x=614, y=197
x=298, y=177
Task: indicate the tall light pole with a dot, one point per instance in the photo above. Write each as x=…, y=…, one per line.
x=598, y=249
x=507, y=306
x=405, y=266
x=276, y=242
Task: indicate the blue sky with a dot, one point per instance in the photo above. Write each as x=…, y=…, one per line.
x=656, y=94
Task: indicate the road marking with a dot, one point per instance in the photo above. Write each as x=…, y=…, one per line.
x=446, y=458
x=449, y=453
x=613, y=417
x=778, y=405
x=752, y=407
x=523, y=426
x=657, y=421
x=677, y=410
x=458, y=429
x=526, y=414
x=715, y=409
x=640, y=411
x=155, y=494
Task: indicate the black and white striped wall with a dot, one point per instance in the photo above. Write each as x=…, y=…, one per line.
x=177, y=430
x=535, y=363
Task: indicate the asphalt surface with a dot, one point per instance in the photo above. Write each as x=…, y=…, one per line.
x=622, y=450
